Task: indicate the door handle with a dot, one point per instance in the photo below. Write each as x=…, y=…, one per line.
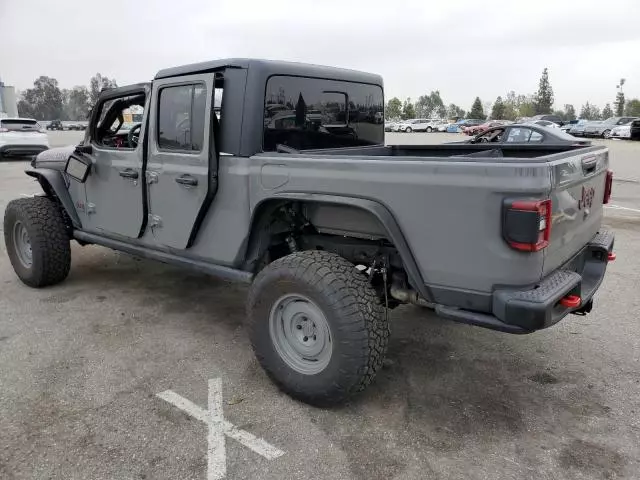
x=128, y=173
x=187, y=180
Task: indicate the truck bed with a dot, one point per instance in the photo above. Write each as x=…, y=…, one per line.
x=457, y=150
x=448, y=201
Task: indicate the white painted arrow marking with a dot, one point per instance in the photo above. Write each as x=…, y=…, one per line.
x=218, y=428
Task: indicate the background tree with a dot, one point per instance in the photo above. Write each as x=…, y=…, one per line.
x=607, y=112
x=43, y=101
x=77, y=103
x=96, y=84
x=590, y=112
x=510, y=106
x=431, y=105
x=525, y=106
x=476, y=110
x=570, y=112
x=544, y=95
x=499, y=109
x=632, y=108
x=408, y=110
x=394, y=108
x=619, y=103
x=454, y=112
x=560, y=113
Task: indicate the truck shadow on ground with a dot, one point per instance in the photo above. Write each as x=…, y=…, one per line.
x=446, y=389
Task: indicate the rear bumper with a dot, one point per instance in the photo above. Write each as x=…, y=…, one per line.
x=10, y=149
x=538, y=307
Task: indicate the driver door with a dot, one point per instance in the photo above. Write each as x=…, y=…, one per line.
x=114, y=187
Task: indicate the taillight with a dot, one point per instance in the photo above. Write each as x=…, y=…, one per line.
x=527, y=224
x=608, y=187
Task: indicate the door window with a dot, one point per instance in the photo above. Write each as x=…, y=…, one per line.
x=117, y=117
x=181, y=117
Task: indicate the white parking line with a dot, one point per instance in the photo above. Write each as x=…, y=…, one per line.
x=618, y=207
x=218, y=428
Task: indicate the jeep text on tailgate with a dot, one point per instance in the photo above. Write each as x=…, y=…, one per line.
x=276, y=174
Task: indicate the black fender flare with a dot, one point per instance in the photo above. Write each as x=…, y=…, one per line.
x=53, y=183
x=378, y=210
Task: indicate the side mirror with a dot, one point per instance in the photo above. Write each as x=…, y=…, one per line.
x=80, y=149
x=78, y=168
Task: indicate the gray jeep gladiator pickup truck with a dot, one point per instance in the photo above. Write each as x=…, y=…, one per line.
x=276, y=174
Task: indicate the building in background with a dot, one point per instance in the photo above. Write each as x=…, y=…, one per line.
x=8, y=102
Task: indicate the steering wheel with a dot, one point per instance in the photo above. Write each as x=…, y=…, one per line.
x=134, y=135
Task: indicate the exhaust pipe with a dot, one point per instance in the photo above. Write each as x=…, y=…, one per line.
x=405, y=295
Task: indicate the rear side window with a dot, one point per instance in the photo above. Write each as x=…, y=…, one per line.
x=310, y=113
x=523, y=135
x=181, y=115
x=19, y=125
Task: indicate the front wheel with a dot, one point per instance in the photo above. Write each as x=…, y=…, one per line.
x=429, y=129
x=606, y=134
x=37, y=241
x=317, y=326
x=408, y=130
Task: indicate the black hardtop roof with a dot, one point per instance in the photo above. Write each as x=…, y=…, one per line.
x=273, y=67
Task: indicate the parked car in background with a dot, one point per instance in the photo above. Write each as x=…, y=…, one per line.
x=635, y=130
x=22, y=136
x=568, y=125
x=390, y=125
x=577, y=129
x=55, y=125
x=420, y=125
x=603, y=129
x=545, y=123
x=621, y=131
x=549, y=117
x=77, y=126
x=527, y=133
x=474, y=130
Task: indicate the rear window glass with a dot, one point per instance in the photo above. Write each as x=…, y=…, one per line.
x=310, y=113
x=19, y=125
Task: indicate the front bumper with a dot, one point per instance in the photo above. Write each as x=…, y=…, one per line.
x=530, y=309
x=620, y=134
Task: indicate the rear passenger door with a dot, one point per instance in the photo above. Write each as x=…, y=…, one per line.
x=181, y=162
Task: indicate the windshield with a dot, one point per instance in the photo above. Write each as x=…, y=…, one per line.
x=611, y=120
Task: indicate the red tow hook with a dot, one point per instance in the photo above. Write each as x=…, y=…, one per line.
x=611, y=257
x=571, y=301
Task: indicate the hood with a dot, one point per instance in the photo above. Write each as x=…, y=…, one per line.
x=54, y=158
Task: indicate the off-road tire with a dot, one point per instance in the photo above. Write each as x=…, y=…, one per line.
x=359, y=329
x=50, y=248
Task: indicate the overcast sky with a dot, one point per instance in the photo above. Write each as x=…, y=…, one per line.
x=462, y=48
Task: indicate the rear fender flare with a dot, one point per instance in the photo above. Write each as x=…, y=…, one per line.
x=379, y=211
x=53, y=184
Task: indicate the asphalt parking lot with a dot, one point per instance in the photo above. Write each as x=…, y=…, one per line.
x=81, y=365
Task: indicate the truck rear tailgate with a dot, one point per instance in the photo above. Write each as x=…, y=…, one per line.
x=578, y=188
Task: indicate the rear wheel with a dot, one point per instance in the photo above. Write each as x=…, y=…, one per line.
x=317, y=326
x=429, y=129
x=37, y=241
